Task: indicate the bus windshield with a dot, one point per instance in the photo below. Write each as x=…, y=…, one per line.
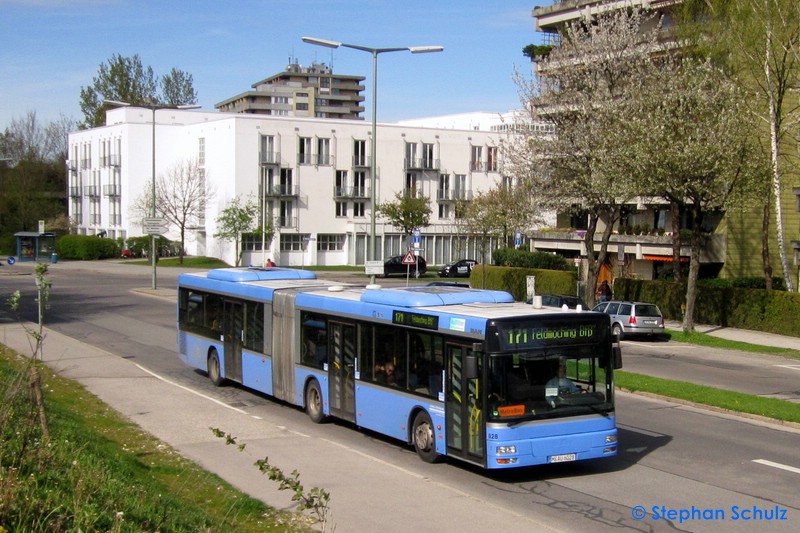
x=547, y=383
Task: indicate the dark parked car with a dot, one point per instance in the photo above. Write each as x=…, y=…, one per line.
x=461, y=268
x=394, y=266
x=560, y=300
x=633, y=318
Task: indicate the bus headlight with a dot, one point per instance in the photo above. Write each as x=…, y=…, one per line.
x=506, y=450
x=611, y=439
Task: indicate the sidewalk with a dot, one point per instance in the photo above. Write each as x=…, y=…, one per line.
x=742, y=335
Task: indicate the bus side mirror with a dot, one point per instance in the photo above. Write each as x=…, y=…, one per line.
x=616, y=353
x=471, y=366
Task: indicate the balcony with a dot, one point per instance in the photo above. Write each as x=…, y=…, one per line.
x=91, y=191
x=421, y=163
x=74, y=192
x=447, y=195
x=112, y=190
x=270, y=158
x=413, y=192
x=361, y=161
x=323, y=160
x=648, y=247
x=350, y=193
x=285, y=222
x=281, y=190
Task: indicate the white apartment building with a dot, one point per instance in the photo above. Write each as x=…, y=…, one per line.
x=309, y=176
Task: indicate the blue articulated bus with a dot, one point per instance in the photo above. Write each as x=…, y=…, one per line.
x=452, y=371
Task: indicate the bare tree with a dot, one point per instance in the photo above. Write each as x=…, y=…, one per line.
x=181, y=197
x=570, y=145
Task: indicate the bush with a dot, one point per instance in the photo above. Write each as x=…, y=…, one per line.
x=86, y=247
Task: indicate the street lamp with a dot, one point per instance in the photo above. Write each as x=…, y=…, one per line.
x=153, y=109
x=372, y=167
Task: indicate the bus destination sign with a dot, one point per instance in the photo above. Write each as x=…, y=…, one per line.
x=518, y=336
x=415, y=319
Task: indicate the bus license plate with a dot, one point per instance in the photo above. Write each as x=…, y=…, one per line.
x=563, y=458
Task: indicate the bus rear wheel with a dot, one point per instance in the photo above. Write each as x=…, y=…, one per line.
x=212, y=365
x=424, y=438
x=314, y=402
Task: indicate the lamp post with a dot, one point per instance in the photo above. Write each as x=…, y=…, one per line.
x=153, y=109
x=372, y=167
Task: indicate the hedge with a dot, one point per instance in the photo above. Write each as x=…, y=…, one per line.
x=515, y=280
x=86, y=247
x=755, y=309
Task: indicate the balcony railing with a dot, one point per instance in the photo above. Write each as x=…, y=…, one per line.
x=421, y=163
x=281, y=189
x=413, y=192
x=448, y=195
x=361, y=161
x=285, y=222
x=75, y=192
x=111, y=190
x=350, y=192
x=304, y=159
x=91, y=191
x=270, y=158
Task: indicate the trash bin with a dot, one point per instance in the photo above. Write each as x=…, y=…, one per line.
x=54, y=257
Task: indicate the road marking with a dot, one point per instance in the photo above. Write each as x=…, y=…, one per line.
x=777, y=465
x=790, y=367
x=187, y=389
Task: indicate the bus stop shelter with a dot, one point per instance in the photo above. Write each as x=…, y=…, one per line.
x=35, y=246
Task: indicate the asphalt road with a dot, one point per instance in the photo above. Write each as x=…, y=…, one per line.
x=120, y=342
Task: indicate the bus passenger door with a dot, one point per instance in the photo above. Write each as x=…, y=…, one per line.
x=341, y=370
x=233, y=330
x=463, y=417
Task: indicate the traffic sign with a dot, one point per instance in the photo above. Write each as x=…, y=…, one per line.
x=409, y=258
x=154, y=226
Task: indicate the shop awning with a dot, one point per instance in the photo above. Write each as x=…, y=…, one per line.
x=663, y=258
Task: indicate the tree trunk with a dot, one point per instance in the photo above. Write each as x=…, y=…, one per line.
x=38, y=400
x=694, y=268
x=675, y=215
x=765, y=241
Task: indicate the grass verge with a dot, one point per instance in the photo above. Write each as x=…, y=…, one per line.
x=710, y=396
x=99, y=472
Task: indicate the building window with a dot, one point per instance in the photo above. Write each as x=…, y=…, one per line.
x=251, y=242
x=341, y=209
x=491, y=159
x=359, y=209
x=323, y=151
x=330, y=242
x=304, y=151
x=293, y=242
x=201, y=151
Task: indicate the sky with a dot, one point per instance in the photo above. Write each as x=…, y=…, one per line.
x=50, y=49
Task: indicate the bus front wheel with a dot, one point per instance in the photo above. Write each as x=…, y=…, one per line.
x=314, y=402
x=212, y=365
x=424, y=438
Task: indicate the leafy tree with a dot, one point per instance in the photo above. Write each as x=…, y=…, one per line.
x=32, y=173
x=238, y=218
x=407, y=213
x=757, y=43
x=576, y=104
x=690, y=142
x=177, y=88
x=125, y=79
